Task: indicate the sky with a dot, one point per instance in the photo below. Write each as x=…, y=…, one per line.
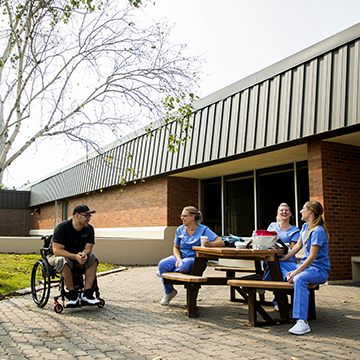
x=236, y=37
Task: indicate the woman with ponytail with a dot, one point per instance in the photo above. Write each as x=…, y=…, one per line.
x=314, y=267
x=187, y=236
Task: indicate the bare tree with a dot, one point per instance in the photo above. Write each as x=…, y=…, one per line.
x=82, y=68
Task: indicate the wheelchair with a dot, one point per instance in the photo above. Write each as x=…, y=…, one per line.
x=44, y=276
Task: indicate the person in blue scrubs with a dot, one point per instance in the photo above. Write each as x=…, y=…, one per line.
x=289, y=234
x=187, y=235
x=314, y=267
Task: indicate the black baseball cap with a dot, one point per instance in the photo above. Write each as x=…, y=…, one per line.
x=82, y=209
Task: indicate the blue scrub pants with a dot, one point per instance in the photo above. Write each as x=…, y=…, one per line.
x=310, y=275
x=168, y=265
x=285, y=267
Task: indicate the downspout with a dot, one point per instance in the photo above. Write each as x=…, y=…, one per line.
x=56, y=203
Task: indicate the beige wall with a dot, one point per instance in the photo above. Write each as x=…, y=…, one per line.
x=114, y=250
x=20, y=245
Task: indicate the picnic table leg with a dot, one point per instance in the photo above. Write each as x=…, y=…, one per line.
x=283, y=303
x=312, y=309
x=275, y=270
x=258, y=269
x=199, y=266
x=255, y=307
x=281, y=298
x=252, y=306
x=192, y=291
x=231, y=274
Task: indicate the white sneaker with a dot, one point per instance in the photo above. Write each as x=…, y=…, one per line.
x=167, y=297
x=73, y=300
x=88, y=299
x=276, y=307
x=301, y=327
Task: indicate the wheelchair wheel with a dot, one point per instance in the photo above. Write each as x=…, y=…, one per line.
x=102, y=303
x=40, y=282
x=58, y=308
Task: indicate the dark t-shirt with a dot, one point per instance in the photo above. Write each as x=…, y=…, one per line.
x=73, y=240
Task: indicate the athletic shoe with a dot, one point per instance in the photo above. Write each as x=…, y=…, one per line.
x=301, y=327
x=167, y=297
x=87, y=298
x=276, y=307
x=73, y=299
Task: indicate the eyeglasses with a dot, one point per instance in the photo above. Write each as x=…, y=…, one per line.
x=86, y=216
x=182, y=216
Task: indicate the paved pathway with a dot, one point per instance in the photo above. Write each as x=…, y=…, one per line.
x=133, y=325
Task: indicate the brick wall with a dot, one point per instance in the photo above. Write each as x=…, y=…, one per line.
x=15, y=222
x=334, y=180
x=181, y=192
x=156, y=202
x=138, y=205
x=44, y=220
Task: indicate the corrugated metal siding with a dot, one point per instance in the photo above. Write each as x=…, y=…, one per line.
x=10, y=199
x=313, y=97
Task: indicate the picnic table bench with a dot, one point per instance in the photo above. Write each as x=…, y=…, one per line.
x=192, y=284
x=278, y=287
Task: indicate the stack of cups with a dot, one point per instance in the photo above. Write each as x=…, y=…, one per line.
x=255, y=244
x=203, y=240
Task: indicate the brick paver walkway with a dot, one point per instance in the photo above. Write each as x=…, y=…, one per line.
x=133, y=325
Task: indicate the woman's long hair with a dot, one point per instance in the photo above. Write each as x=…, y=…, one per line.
x=318, y=210
x=193, y=211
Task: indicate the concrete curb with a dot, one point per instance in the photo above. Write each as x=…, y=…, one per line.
x=103, y=273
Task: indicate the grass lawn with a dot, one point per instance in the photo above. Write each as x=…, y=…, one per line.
x=15, y=271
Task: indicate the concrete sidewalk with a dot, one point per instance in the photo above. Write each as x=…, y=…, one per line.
x=133, y=325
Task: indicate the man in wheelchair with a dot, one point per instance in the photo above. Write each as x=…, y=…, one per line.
x=71, y=246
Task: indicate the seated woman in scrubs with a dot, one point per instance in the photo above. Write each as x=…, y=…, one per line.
x=187, y=235
x=289, y=234
x=314, y=267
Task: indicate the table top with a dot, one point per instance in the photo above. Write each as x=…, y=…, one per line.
x=234, y=253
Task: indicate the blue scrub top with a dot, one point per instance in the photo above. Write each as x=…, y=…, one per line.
x=286, y=236
x=186, y=242
x=317, y=237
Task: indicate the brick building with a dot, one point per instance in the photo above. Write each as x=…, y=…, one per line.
x=289, y=133
x=14, y=209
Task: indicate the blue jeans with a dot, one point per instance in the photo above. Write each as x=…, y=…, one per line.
x=168, y=265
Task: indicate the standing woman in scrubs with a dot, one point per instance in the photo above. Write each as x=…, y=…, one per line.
x=314, y=267
x=187, y=235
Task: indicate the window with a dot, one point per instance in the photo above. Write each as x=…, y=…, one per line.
x=211, y=204
x=239, y=205
x=65, y=210
x=260, y=191
x=274, y=186
x=303, y=186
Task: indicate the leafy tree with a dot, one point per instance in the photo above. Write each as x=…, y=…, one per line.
x=81, y=68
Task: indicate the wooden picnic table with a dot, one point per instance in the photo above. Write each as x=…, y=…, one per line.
x=249, y=294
